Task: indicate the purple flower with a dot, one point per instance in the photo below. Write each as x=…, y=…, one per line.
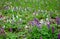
x=58, y=20
x=48, y=24
x=10, y=29
x=36, y=20
x=38, y=24
x=32, y=23
x=58, y=36
x=52, y=29
x=2, y=31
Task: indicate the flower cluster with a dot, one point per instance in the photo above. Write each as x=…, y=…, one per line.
x=58, y=20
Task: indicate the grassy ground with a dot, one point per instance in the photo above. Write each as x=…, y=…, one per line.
x=28, y=19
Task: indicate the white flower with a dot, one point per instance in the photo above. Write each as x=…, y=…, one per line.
x=20, y=19
x=34, y=13
x=41, y=21
x=17, y=16
x=26, y=27
x=47, y=19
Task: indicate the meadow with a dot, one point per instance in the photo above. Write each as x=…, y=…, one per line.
x=29, y=19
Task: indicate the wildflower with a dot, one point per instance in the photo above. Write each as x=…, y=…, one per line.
x=58, y=36
x=48, y=24
x=47, y=19
x=42, y=21
x=58, y=20
x=26, y=27
x=38, y=24
x=10, y=29
x=52, y=29
x=17, y=16
x=32, y=23
x=34, y=13
x=20, y=20
x=36, y=20
x=2, y=31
